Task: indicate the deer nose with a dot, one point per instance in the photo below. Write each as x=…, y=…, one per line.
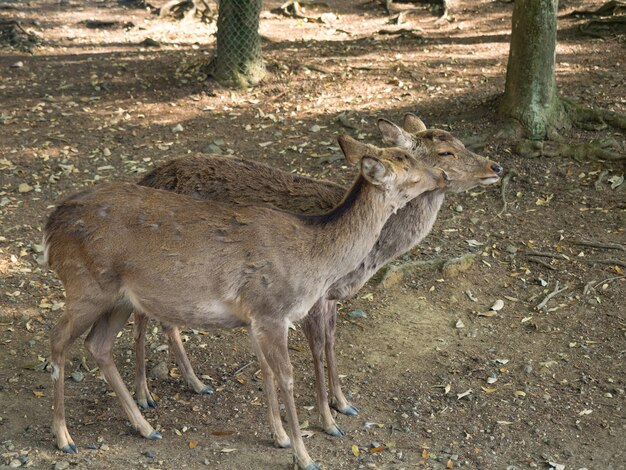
x=497, y=169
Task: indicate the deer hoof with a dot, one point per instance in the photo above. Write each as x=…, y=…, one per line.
x=347, y=410
x=284, y=444
x=154, y=435
x=70, y=449
x=335, y=431
x=147, y=403
x=207, y=390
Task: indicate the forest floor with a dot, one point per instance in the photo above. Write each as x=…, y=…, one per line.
x=438, y=384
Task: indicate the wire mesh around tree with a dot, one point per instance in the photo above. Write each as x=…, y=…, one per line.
x=238, y=60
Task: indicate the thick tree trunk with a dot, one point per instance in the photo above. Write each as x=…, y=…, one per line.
x=530, y=98
x=238, y=61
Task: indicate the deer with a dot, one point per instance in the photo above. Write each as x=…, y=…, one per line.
x=119, y=247
x=242, y=181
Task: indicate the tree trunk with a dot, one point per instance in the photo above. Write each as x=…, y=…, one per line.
x=530, y=97
x=238, y=61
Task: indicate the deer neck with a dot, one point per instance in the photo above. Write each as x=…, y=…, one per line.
x=348, y=232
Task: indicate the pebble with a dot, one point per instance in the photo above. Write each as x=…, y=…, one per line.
x=15, y=463
x=212, y=149
x=315, y=128
x=78, y=376
x=18, y=65
x=459, y=208
x=160, y=371
x=150, y=454
x=357, y=314
x=177, y=128
x=528, y=369
x=104, y=447
x=24, y=188
x=375, y=444
x=61, y=465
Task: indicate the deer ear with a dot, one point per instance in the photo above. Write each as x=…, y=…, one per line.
x=352, y=149
x=413, y=124
x=376, y=172
x=395, y=135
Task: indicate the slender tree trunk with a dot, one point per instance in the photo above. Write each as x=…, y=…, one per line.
x=530, y=97
x=238, y=61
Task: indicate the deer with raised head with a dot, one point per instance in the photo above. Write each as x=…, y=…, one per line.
x=243, y=181
x=120, y=247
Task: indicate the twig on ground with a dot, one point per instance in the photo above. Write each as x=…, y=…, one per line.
x=592, y=285
x=242, y=368
x=597, y=244
x=547, y=298
x=616, y=262
x=541, y=262
x=598, y=183
x=505, y=183
x=544, y=254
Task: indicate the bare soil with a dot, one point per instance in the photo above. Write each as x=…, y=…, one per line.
x=94, y=104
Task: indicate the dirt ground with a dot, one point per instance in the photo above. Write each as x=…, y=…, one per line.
x=440, y=382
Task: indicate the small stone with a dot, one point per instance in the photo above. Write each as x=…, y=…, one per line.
x=511, y=249
x=459, y=324
x=459, y=208
x=358, y=313
x=212, y=148
x=177, y=128
x=160, y=371
x=150, y=454
x=15, y=463
x=375, y=444
x=18, y=65
x=61, y=465
x=104, y=447
x=315, y=128
x=527, y=369
x=207, y=462
x=78, y=376
x=106, y=152
x=24, y=188
x=149, y=42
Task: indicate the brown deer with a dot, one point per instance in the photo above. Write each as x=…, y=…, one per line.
x=243, y=181
x=120, y=247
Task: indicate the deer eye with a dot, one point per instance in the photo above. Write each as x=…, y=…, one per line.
x=446, y=154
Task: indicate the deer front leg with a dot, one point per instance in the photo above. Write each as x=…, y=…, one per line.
x=314, y=326
x=339, y=402
x=184, y=365
x=142, y=393
x=100, y=342
x=272, y=341
x=281, y=439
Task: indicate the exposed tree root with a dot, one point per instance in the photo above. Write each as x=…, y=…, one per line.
x=186, y=9
x=556, y=146
x=609, y=8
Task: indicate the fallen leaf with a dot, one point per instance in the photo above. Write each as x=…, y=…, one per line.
x=193, y=444
x=450, y=464
x=585, y=412
x=376, y=450
x=488, y=389
x=223, y=433
x=38, y=393
x=355, y=450
x=227, y=450
x=490, y=313
x=464, y=394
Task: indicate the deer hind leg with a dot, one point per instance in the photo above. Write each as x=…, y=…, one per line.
x=339, y=402
x=142, y=393
x=183, y=362
x=281, y=439
x=78, y=317
x=314, y=326
x=100, y=343
x=272, y=341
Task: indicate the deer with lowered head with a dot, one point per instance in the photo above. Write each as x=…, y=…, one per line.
x=243, y=181
x=121, y=247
